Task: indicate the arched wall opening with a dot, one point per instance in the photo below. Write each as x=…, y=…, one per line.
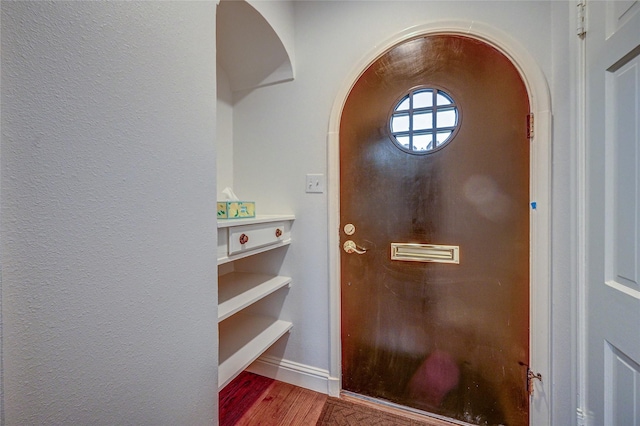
x=540, y=193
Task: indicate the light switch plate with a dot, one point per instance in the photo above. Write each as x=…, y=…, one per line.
x=315, y=183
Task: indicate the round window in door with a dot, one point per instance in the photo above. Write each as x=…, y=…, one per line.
x=424, y=120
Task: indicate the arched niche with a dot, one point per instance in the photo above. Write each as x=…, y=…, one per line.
x=255, y=43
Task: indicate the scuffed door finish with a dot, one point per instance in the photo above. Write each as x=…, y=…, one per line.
x=450, y=339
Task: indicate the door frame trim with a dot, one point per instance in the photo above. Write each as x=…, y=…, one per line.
x=540, y=193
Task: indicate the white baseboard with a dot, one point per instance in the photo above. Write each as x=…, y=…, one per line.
x=305, y=376
x=334, y=387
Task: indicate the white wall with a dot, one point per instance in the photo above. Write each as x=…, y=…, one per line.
x=255, y=52
x=563, y=81
x=280, y=15
x=224, y=131
x=280, y=135
x=109, y=299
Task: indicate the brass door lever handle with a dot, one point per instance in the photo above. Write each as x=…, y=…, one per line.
x=351, y=247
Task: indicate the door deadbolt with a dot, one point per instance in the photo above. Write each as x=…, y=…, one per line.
x=349, y=229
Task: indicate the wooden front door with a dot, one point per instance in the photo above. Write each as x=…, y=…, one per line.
x=434, y=210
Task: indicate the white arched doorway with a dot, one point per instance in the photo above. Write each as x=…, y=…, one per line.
x=540, y=192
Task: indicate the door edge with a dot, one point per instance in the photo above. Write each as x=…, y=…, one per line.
x=540, y=193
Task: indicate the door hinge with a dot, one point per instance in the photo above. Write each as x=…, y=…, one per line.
x=584, y=418
x=581, y=30
x=581, y=419
x=530, y=378
x=530, y=126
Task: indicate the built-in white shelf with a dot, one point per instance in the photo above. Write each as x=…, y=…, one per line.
x=227, y=229
x=226, y=259
x=226, y=223
x=238, y=290
x=245, y=337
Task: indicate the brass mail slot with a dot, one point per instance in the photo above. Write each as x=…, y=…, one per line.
x=413, y=252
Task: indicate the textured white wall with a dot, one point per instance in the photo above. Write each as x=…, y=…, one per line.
x=109, y=298
x=280, y=135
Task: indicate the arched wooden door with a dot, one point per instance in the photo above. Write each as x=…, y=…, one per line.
x=434, y=211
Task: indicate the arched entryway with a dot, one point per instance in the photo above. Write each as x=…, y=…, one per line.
x=536, y=89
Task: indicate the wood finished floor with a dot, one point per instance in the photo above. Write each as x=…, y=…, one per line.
x=252, y=400
x=255, y=400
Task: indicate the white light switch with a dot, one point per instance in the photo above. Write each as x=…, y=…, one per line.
x=315, y=183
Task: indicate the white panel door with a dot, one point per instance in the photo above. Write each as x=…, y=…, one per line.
x=613, y=212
